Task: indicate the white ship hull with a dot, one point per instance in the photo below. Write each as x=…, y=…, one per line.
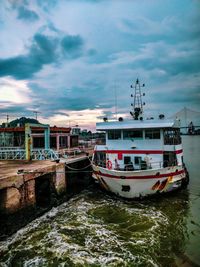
x=136, y=184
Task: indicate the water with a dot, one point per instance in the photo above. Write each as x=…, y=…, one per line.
x=96, y=229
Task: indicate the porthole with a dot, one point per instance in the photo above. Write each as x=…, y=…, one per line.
x=126, y=188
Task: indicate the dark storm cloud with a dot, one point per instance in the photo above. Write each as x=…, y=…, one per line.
x=27, y=15
x=167, y=58
x=23, y=10
x=187, y=96
x=41, y=52
x=75, y=98
x=44, y=50
x=65, y=103
x=179, y=95
x=185, y=65
x=73, y=103
x=16, y=4
x=46, y=5
x=72, y=46
x=12, y=109
x=87, y=96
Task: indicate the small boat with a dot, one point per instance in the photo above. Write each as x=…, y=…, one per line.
x=141, y=157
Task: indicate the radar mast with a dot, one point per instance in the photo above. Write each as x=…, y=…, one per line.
x=137, y=105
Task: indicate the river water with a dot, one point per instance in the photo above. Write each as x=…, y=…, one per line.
x=96, y=229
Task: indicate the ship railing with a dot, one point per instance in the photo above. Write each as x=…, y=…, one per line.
x=141, y=166
x=162, y=164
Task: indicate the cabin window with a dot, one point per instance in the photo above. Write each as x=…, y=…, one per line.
x=127, y=160
x=63, y=141
x=132, y=134
x=172, y=137
x=128, y=165
x=152, y=134
x=114, y=134
x=137, y=160
x=169, y=158
x=100, y=158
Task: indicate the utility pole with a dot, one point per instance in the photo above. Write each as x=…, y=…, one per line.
x=7, y=118
x=36, y=113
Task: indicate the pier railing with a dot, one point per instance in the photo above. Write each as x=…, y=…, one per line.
x=20, y=154
x=43, y=154
x=7, y=153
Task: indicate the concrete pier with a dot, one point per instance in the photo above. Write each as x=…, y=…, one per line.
x=18, y=181
x=38, y=185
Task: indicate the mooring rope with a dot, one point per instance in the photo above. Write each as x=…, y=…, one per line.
x=75, y=169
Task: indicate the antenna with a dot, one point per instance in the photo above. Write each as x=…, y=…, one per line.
x=115, y=100
x=36, y=113
x=137, y=101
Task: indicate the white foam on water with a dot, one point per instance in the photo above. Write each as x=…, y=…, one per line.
x=34, y=262
x=100, y=242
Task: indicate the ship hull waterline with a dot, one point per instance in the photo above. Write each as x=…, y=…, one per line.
x=141, y=183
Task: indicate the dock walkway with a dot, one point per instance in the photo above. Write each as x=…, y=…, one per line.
x=23, y=182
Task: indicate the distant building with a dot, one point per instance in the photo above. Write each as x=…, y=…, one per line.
x=84, y=132
x=60, y=137
x=76, y=130
x=12, y=134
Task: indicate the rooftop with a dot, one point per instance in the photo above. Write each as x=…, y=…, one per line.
x=137, y=124
x=53, y=129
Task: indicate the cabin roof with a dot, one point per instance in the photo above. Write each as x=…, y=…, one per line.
x=137, y=124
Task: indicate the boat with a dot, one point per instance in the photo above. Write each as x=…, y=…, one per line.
x=141, y=157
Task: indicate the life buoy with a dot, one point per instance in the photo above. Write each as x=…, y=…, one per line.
x=109, y=164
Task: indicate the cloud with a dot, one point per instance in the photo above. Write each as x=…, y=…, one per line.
x=72, y=99
x=47, y=5
x=14, y=111
x=16, y=98
x=27, y=15
x=72, y=46
x=84, y=118
x=14, y=92
x=43, y=50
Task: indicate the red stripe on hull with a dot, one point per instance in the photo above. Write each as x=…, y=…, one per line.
x=137, y=151
x=141, y=177
x=179, y=151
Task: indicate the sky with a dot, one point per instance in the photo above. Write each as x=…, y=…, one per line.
x=74, y=60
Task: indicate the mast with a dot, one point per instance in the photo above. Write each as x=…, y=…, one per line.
x=137, y=110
